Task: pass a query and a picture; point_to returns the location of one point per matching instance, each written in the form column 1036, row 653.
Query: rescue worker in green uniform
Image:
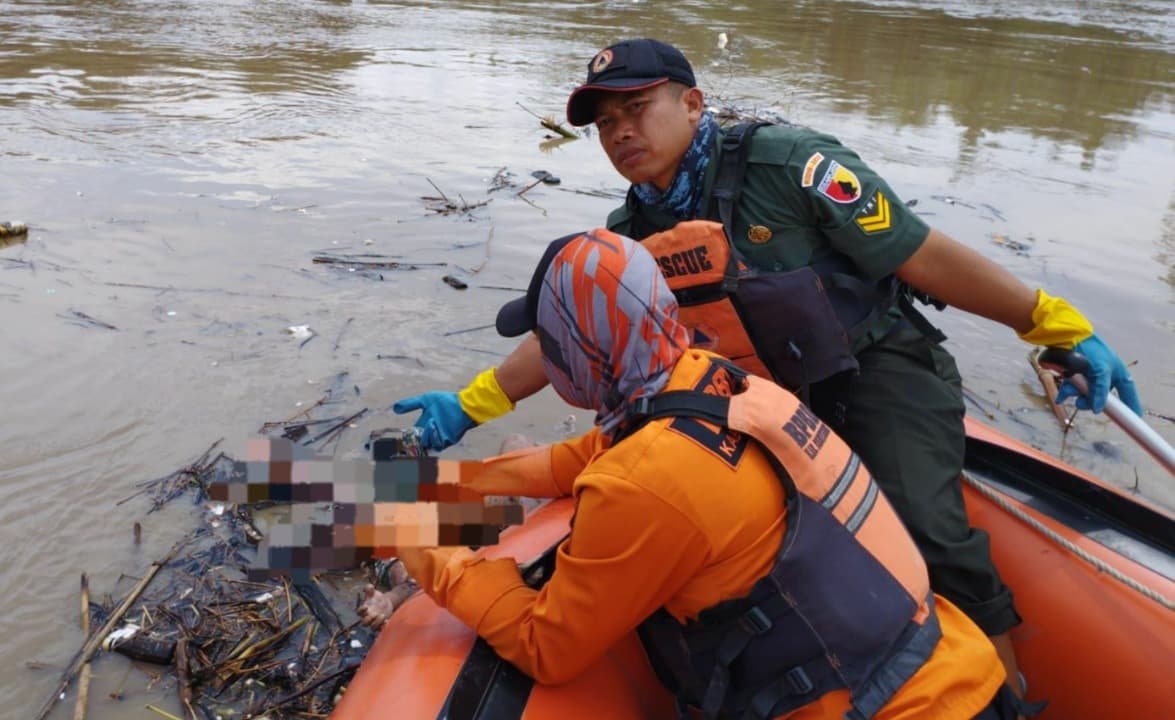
column 793, row 200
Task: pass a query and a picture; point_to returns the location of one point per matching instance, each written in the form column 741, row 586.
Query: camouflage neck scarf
column 682, row 199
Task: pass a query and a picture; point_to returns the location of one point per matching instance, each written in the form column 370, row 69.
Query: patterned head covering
column 607, row 323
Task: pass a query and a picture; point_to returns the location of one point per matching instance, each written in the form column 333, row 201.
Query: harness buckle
column 800, row 681
column 642, row 407
column 755, row 621
column 733, row 139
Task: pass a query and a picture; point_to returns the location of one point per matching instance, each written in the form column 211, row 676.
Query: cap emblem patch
column 601, row 61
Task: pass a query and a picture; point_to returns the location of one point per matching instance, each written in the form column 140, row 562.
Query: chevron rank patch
column 874, row 215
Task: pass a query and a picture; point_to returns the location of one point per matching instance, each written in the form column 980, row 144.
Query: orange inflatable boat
column 1092, row 568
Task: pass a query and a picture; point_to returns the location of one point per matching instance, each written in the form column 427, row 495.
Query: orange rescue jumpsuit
column 660, row 521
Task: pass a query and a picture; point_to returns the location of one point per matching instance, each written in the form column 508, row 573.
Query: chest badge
column 758, row 234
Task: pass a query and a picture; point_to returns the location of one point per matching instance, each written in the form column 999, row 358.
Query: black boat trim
column 487, row 687
column 1141, row 533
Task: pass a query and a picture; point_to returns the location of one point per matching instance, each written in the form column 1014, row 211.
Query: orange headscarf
column 608, row 326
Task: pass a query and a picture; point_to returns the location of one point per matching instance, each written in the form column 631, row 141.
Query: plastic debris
column 566, row 427
column 123, row 633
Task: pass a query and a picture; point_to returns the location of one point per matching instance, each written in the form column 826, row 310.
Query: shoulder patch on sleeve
column 809, row 176
column 874, row 215
column 840, row 184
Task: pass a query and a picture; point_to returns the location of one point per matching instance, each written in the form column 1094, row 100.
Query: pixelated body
column 338, row 514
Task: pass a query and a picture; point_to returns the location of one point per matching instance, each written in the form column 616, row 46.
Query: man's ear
column 695, row 103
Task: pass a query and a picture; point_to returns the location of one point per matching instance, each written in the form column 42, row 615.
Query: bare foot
column 378, row 606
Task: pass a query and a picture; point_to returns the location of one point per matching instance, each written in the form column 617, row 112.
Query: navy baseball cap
column 627, row 66
column 520, row 316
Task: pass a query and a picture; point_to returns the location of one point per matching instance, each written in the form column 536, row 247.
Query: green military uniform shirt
column 804, row 197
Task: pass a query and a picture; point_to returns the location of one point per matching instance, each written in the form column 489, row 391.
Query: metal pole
column 1135, row 427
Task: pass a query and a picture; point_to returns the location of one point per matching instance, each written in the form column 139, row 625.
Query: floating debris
column 614, row 194
column 235, row 648
column 300, row 332
column 123, row 633
column 165, row 489
column 339, row 339
column 502, row 180
column 465, row 330
column 549, row 145
column 566, row 428
column 729, row 114
column 543, row 177
column 13, row 233
column 303, row 333
column 550, row 123
column 454, row 282
column 81, row 319
column 1020, row 248
column 952, row 201
column 13, row 229
column 444, row 206
column 368, row 261
column 994, row 211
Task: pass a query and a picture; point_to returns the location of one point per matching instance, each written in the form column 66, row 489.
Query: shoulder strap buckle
column 642, row 407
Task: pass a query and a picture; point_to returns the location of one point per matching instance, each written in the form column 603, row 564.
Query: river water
column 181, row 164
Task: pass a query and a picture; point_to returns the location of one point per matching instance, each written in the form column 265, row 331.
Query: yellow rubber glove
column 447, row 415
column 1057, row 323
column 483, row 398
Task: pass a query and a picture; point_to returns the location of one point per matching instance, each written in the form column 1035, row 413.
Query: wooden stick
column 523, row 191
column 340, row 337
column 183, row 676
column 79, row 708
column 255, row 711
column 554, row 125
column 273, row 639
column 442, row 192
column 91, row 645
column 336, row 428
column 162, row 713
column 550, row 123
column 85, row 605
column 1048, row 381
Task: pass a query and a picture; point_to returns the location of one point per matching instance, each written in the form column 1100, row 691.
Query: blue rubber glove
column 1106, row 370
column 443, row 421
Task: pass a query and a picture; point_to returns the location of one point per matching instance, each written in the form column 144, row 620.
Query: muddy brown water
column 180, row 165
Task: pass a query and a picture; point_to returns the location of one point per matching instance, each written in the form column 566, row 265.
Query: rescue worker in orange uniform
column 689, row 499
